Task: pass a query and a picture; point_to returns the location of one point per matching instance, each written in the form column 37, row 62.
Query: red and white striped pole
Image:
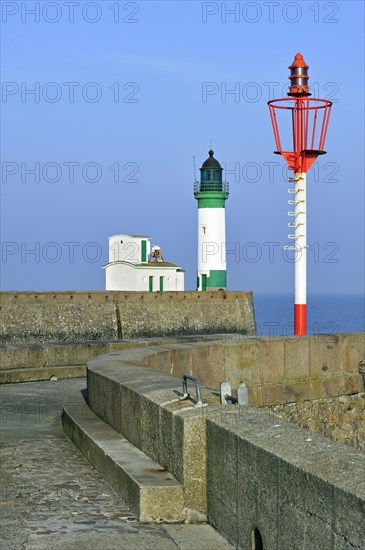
column 300, row 199
column 300, row 266
column 307, row 116
column 300, row 90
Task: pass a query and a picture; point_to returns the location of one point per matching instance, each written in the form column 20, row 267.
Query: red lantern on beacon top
column 309, row 123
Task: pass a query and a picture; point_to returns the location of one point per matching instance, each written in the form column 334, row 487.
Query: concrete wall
column 301, row 491
column 76, row 316
column 275, row 370
column 240, row 465
column 30, row 362
column 144, row 407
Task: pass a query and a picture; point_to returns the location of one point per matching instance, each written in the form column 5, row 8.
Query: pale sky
column 125, row 96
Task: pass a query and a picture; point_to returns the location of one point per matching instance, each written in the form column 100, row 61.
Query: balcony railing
column 211, row 187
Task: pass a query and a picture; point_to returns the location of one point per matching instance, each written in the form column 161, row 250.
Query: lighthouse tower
column 211, row 193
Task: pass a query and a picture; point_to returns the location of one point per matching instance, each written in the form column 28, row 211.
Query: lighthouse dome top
column 211, row 163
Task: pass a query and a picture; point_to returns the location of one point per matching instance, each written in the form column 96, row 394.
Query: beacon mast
column 309, row 121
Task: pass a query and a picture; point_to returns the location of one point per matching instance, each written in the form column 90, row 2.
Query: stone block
column 274, row 394
column 104, row 398
column 202, row 366
column 325, row 356
column 255, row 396
column 353, row 351
column 334, row 386
column 299, row 489
column 297, row 358
column 354, row 384
column 222, row 475
column 349, row 515
column 167, row 439
column 241, row 363
column 316, row 389
column 194, row 455
column 150, row 428
column 297, row 528
column 257, row 493
column 271, row 360
column 163, row 360
column 297, row 391
column 20, row 356
column 181, row 360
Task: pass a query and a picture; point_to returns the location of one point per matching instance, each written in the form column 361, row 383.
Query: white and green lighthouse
column 211, row 193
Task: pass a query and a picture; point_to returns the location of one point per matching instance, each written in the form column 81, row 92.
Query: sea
column 325, row 314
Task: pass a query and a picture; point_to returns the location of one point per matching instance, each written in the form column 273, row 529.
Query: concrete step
column 11, row 376
column 151, row 492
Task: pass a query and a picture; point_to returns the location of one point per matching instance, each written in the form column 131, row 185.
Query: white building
column 134, row 265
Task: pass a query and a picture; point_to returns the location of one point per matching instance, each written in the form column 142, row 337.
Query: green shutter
column 150, row 283
column 204, row 282
column 144, row 252
column 161, row 284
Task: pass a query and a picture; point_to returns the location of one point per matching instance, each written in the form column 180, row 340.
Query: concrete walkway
column 51, row 497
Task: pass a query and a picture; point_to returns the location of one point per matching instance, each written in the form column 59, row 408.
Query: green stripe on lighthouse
column 211, row 200
column 217, row 279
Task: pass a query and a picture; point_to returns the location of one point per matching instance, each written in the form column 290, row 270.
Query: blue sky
column 129, row 92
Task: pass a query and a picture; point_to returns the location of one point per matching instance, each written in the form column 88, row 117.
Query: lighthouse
column 211, row 192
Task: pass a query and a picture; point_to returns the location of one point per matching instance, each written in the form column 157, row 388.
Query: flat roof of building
column 146, row 264
column 132, row 236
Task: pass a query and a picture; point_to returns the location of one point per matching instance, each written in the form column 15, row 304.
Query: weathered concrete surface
column 51, row 498
column 13, row 376
column 74, row 316
column 265, row 365
column 30, row 362
column 150, row 491
column 49, row 354
column 276, row 370
column 340, row 418
column 141, row 404
column 145, row 407
column 301, row 491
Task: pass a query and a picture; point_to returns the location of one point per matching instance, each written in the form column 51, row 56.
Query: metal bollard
column 194, row 379
column 226, row 394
